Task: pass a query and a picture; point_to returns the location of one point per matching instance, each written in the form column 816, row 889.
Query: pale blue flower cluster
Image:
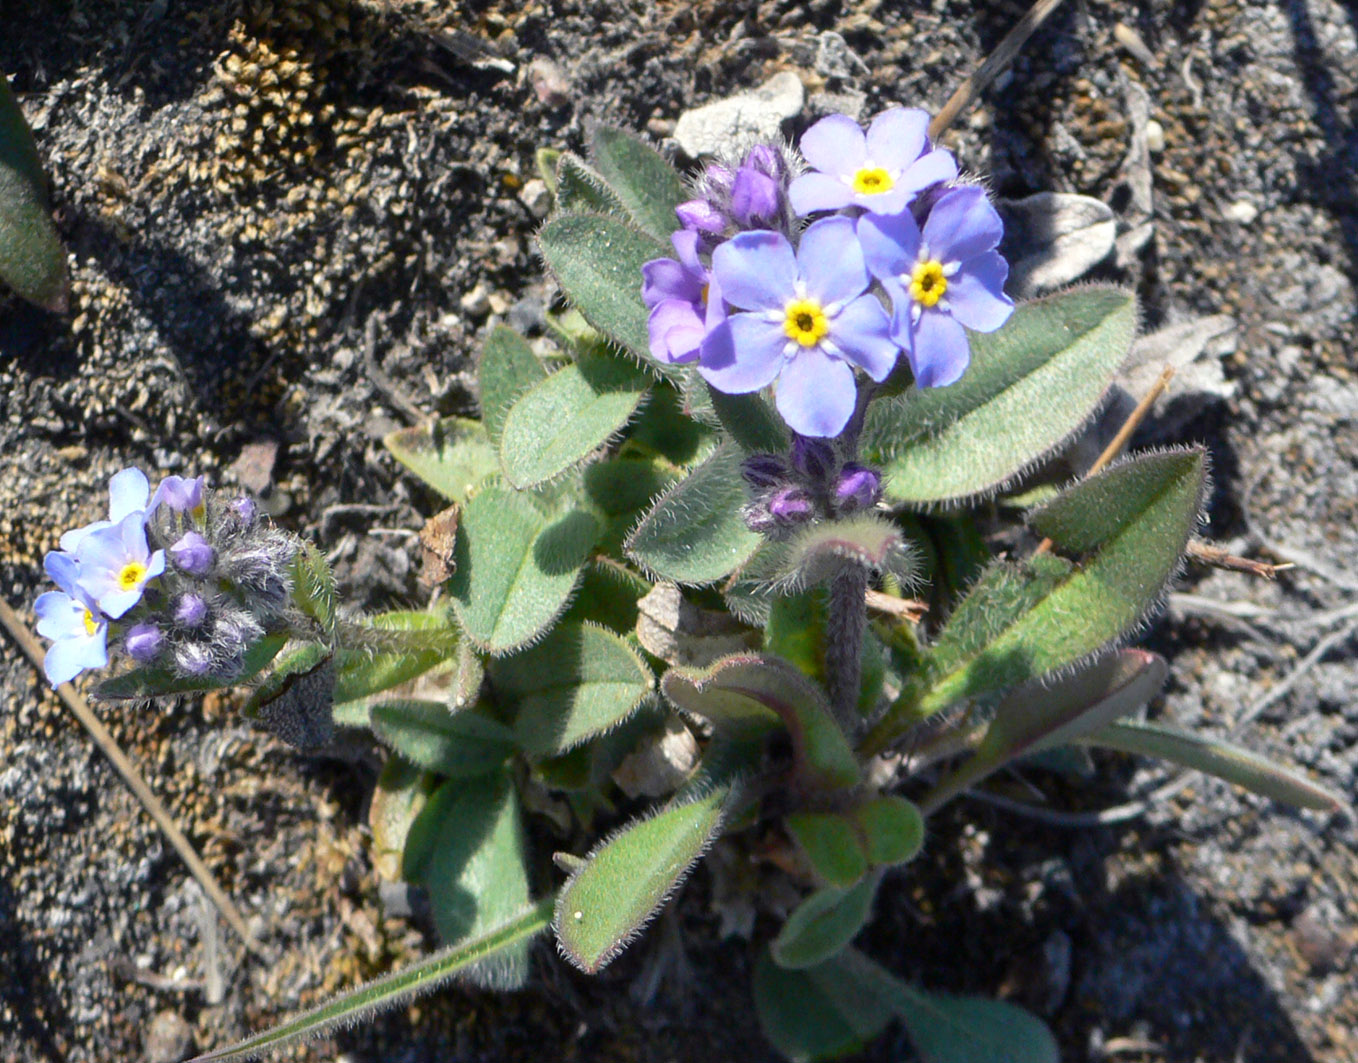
column 754, row 302
column 177, row 578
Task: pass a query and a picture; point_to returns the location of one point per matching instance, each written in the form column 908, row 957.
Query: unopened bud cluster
column 811, row 483
column 185, row 579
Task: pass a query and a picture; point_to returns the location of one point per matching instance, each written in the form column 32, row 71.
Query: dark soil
column 267, row 278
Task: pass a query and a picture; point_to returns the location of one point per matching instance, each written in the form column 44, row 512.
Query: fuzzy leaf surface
column 1022, row 622
column 507, row 369
column 1044, row 715
column 1030, row 385
column 516, row 568
column 579, row 682
column 424, row 641
column 646, row 184
column 400, row 793
column 563, row 419
column 626, row 880
column 694, row 533
column 891, row 827
column 757, row 690
column 581, row 189
column 823, row 924
column 146, row 683
column 819, row 552
column 467, row 847
column 750, row 420
column 32, row 259
column 597, row 262
column 457, row 745
column 1224, row 760
column 453, row 456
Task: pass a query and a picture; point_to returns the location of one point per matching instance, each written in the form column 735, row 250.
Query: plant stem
column 846, row 617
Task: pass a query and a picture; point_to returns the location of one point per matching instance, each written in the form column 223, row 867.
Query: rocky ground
column 288, row 223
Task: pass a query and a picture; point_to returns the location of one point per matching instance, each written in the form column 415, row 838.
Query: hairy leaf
column 641, row 178
column 401, row 791
column 516, row 568
column 824, row 923
column 694, row 533
column 457, row 745
column 507, row 369
column 821, row 1012
column 467, row 847
column 453, row 456
column 563, row 419
column 1029, row 387
column 32, row 260
column 891, row 827
column 580, row 189
column 626, row 880
column 581, row 681
column 420, row 642
column 832, row 846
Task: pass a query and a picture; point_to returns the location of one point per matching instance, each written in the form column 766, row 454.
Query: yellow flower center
column 872, row 180
column 131, row 576
column 805, row 322
column 703, row 293
column 90, row 625
column 927, row 283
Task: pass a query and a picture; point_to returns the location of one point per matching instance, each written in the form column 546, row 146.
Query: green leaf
column 621, row 489
column 313, row 588
column 597, row 262
column 580, row 682
column 891, row 828
column 467, row 848
column 832, row 846
column 694, row 533
column 546, row 159
column 823, row 924
column 146, row 683
column 421, row 642
column 563, row 419
column 507, row 369
column 400, row 987
column 515, row 568
column 1222, row 759
column 581, row 189
column 821, row 1012
column 627, row 879
column 32, row 260
column 1022, row 622
column 400, row 793
column 453, row 456
column 1044, row 715
column 297, row 662
column 819, row 552
column 1029, row 387
column 756, row 690
column 750, row 420
column 666, row 430
column 458, row 745
column 648, row 186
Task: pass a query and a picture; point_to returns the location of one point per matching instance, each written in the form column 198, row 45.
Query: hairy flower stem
column 846, row 617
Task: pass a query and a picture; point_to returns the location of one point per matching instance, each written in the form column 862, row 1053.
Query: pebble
column 1155, row 136
column 1242, row 211
column 715, row 126
column 475, row 303
column 168, row 1040
column 536, row 197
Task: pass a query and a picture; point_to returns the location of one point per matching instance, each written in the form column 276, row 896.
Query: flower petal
column 127, row 493
column 831, row 261
column 834, row 145
column 976, row 293
column 962, row 225
column 664, row 278
column 862, row 331
column 756, row 270
column 940, row 351
column 897, row 137
column 62, row 569
column 885, row 202
column 59, row 615
column 938, row 165
column 675, row 331
column 818, row 191
column 70, row 541
column 816, row 393
column 890, row 243
column 744, row 353
column 686, row 243
column 69, row 657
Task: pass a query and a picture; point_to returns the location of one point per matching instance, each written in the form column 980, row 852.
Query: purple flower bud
column 790, row 506
column 767, row 160
column 812, row 457
column 190, row 611
column 179, row 494
column 763, row 472
column 243, row 509
column 192, row 554
column 859, row 487
column 756, row 201
column 701, row 216
column 193, row 660
column 716, row 181
column 143, row 642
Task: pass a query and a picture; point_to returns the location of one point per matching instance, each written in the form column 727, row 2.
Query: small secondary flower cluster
column 182, row 579
column 811, row 483
column 753, row 302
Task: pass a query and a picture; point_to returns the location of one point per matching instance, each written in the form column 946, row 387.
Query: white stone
column 741, row 119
